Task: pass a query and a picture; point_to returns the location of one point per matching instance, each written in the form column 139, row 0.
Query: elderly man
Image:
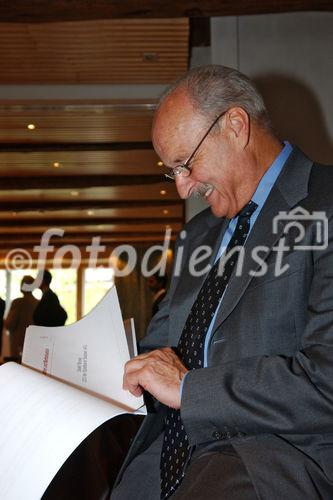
column 239, row 358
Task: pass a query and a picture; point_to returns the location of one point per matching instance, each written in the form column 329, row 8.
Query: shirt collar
column 268, row 180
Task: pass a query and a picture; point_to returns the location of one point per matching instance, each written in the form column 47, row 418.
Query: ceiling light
column 160, row 163
column 165, row 211
column 74, row 193
column 56, row 164
column 163, row 192
column 90, row 212
column 31, row 126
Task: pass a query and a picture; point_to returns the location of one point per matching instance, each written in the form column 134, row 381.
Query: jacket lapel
column 290, row 188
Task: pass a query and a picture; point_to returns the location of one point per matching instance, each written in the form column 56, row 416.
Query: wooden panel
column 69, row 163
column 103, row 51
column 92, row 229
column 79, row 204
column 9, row 240
column 74, row 122
column 60, row 10
column 168, row 212
column 124, row 193
column 79, row 163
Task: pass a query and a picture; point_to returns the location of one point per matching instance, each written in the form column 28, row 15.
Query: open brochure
column 70, row 384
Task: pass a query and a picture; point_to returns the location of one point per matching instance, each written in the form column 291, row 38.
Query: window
column 96, row 283
column 3, row 284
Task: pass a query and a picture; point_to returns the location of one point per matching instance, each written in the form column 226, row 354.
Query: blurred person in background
column 49, row 311
column 20, row 316
column 157, row 284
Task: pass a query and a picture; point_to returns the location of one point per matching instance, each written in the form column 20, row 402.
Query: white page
column 42, row 422
column 90, row 353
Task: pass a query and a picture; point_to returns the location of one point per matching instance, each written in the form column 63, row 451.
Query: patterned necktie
column 176, row 451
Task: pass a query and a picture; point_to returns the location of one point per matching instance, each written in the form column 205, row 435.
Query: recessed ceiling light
column 90, row 212
column 56, row 164
column 163, row 192
column 74, row 193
column 31, row 126
column 160, row 163
column 165, row 211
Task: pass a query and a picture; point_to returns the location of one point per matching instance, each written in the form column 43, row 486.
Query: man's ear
column 238, row 123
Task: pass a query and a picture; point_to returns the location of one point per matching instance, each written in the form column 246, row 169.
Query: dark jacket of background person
column 2, row 312
column 19, row 317
column 49, row 311
column 157, row 285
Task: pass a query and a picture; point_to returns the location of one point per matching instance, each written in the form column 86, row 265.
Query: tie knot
column 248, row 210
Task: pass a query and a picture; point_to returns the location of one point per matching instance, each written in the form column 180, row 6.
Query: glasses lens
column 184, row 170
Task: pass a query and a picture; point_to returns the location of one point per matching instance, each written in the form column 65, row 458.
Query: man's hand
column 159, row 372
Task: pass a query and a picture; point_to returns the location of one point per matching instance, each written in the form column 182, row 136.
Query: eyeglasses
column 184, row 169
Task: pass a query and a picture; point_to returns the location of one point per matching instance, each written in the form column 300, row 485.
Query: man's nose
column 183, row 185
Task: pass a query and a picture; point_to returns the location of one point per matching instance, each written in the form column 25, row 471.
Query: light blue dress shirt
column 264, row 188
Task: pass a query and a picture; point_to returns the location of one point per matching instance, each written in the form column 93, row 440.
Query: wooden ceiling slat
column 75, row 238
column 56, row 205
column 91, row 229
column 167, row 211
column 129, row 163
column 77, row 182
column 103, row 51
column 126, row 193
column 41, row 223
column 75, row 123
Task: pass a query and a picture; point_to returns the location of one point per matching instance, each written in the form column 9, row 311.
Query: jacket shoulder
column 321, row 186
column 202, row 219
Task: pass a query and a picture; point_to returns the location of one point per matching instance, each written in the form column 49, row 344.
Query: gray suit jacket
column 268, row 387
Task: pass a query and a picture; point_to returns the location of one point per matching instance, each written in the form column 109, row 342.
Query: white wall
column 290, row 57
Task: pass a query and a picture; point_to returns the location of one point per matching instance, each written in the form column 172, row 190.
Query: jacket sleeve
column 271, row 394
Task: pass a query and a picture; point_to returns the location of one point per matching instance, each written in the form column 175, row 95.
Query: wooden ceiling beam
column 76, row 181
column 36, row 147
column 88, row 221
column 37, row 11
column 9, row 240
column 62, row 205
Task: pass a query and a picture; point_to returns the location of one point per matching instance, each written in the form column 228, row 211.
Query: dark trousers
column 213, row 474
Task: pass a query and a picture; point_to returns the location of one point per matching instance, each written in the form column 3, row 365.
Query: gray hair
column 214, row 89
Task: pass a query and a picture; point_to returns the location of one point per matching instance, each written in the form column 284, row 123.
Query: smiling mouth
column 203, row 191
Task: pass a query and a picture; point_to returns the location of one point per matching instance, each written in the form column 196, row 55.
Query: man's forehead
column 176, row 122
